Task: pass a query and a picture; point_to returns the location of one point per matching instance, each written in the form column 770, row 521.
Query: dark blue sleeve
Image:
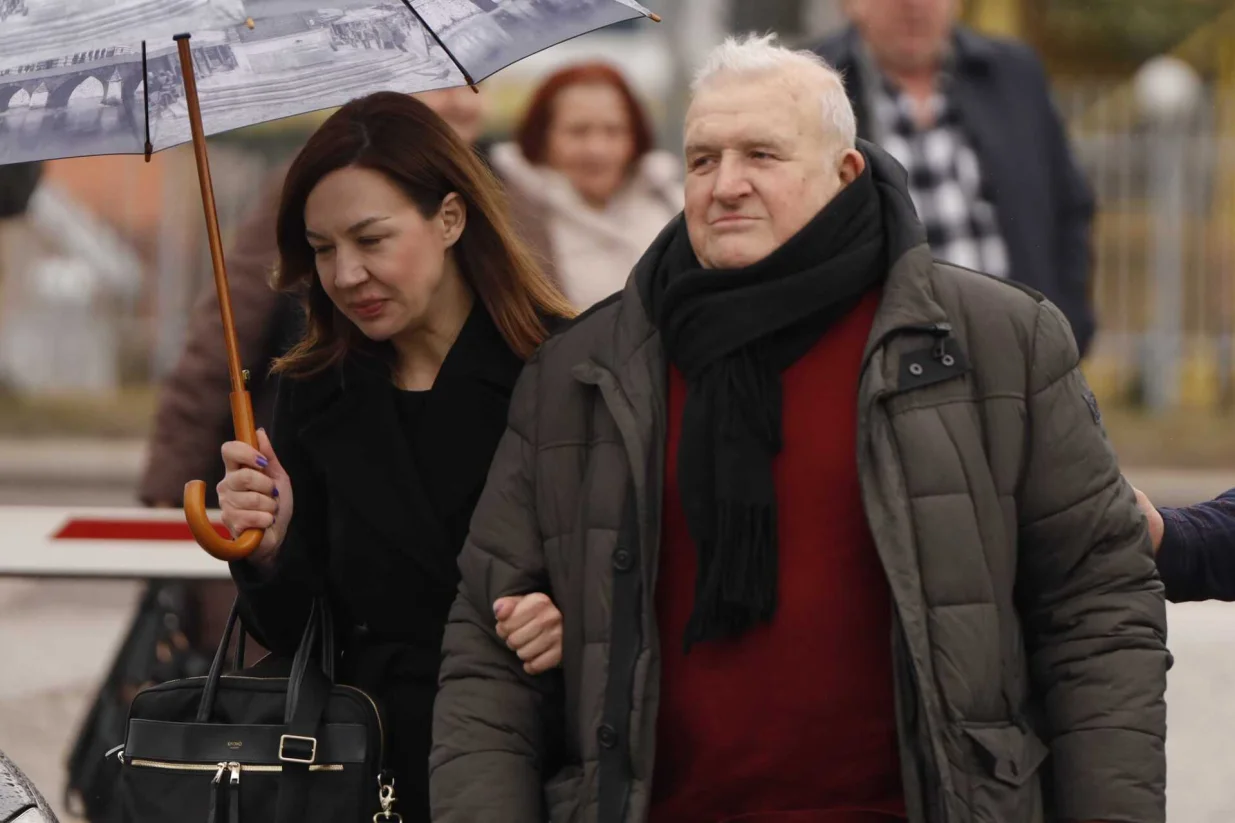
column 1197, row 557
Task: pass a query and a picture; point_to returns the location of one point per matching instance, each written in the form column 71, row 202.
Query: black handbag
column 244, row 748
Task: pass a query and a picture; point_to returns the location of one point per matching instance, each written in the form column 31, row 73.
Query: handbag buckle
column 286, row 758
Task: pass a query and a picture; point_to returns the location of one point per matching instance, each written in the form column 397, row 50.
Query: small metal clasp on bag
column 386, row 796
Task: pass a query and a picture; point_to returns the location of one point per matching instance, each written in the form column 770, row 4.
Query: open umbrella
column 84, row 77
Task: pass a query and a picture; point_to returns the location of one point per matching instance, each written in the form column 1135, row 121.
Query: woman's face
column 590, row 140
column 381, row 261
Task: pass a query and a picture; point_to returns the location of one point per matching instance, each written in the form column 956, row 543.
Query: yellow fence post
column 1223, row 215
column 1001, row 18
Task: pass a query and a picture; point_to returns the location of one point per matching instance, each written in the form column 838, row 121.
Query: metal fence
column 1163, row 243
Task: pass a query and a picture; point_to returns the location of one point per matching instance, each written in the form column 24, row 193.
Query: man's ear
column 852, row 164
column 453, row 214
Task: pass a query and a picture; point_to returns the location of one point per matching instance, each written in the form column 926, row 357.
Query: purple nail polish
column 262, row 462
column 276, row 493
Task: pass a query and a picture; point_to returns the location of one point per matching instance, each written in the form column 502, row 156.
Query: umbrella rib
column 146, row 101
column 438, row 40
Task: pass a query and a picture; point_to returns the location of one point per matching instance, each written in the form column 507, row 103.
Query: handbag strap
column 238, row 660
column 206, row 706
column 308, row 692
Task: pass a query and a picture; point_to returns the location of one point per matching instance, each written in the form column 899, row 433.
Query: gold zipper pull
column 219, row 774
column 235, row 769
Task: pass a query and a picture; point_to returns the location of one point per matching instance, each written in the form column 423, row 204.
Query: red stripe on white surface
column 110, row 529
column 130, row 542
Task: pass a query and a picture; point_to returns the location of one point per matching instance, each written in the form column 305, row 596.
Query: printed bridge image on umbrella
column 292, row 57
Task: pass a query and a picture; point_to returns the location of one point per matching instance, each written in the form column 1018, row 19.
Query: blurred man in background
column 991, row 173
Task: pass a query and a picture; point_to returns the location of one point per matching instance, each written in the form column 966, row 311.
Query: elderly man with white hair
column 834, row 528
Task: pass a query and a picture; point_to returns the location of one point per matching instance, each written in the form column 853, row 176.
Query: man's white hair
column 756, row 54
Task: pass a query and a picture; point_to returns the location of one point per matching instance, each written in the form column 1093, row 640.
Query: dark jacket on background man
column 1044, row 205
column 1197, row 556
column 381, row 510
column 1029, row 626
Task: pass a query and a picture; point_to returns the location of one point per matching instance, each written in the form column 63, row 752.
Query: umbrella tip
column 249, row 22
column 149, row 151
column 655, row 18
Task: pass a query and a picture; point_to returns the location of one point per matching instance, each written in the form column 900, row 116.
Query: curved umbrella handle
column 215, row 544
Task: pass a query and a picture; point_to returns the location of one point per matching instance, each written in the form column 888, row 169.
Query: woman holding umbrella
column 421, row 307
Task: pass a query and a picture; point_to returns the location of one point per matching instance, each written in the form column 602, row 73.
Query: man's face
column 905, row 35
column 760, row 165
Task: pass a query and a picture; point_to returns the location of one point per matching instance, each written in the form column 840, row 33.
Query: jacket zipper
column 932, row 801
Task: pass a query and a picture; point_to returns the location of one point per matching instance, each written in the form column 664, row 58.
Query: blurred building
column 67, row 280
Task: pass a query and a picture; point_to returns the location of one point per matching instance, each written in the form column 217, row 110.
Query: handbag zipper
column 381, row 731
column 220, row 768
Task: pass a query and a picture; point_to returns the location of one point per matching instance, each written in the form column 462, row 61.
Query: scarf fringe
column 737, row 580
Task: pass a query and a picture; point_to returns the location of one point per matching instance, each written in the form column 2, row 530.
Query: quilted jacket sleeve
column 1091, row 601
column 492, row 721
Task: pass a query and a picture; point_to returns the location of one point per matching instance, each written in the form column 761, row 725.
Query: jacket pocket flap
column 1013, row 754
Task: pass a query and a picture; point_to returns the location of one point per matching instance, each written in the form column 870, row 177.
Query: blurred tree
column 1114, row 35
column 785, row 17
column 1003, row 18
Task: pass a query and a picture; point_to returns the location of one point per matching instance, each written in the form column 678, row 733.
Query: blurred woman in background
column 583, row 175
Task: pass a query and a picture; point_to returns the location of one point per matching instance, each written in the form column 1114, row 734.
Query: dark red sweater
column 793, row 722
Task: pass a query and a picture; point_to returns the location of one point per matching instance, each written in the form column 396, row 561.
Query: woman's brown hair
column 532, row 134
column 413, row 147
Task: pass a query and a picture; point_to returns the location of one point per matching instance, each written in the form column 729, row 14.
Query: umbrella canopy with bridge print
column 88, row 77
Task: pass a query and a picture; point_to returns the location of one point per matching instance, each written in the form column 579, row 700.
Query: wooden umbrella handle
column 242, row 406
column 215, row 544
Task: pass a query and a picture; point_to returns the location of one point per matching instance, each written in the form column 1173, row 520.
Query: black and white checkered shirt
column 945, row 180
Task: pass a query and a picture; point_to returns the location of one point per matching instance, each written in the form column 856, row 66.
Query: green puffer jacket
column 1029, row 647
